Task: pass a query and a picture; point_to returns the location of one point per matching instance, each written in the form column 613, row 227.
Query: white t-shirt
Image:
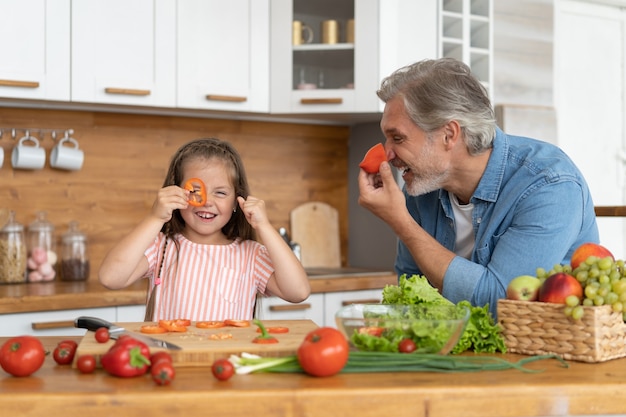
column 464, row 229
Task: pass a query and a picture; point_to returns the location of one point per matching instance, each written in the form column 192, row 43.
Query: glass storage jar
column 42, row 255
column 12, row 252
column 74, row 255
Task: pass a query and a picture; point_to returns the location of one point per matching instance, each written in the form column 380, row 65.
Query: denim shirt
column 532, row 208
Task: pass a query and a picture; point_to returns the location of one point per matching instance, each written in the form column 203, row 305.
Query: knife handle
column 91, row 323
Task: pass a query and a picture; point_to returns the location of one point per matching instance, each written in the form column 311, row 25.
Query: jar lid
column 73, row 234
column 12, row 225
column 41, row 223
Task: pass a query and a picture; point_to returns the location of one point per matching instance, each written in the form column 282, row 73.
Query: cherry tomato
column 275, row 329
column 163, row 373
column 210, row 324
column 372, row 330
column 323, row 352
column 63, row 354
column 22, row 355
column 222, row 369
column 102, row 335
column 86, row 364
column 237, row 323
column 152, row 328
column 406, row 346
column 69, row 342
column 159, row 356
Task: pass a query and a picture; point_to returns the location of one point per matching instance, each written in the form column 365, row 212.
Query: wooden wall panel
column 127, row 156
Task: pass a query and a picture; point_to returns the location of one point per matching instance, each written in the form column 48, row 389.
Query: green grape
column 591, row 260
column 603, row 291
column 541, row 273
column 622, row 297
column 578, row 312
column 611, row 298
column 582, row 276
column 567, row 269
column 568, row 311
column 603, row 278
column 598, row 300
column 594, row 272
column 617, row 306
column 615, row 275
column 572, row 301
column 591, row 291
column 605, row 264
column 588, row 302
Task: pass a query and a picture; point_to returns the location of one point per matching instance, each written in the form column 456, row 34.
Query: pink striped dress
column 209, row 282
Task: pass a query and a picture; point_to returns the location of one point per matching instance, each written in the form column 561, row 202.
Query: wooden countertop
column 582, row 389
column 31, row 297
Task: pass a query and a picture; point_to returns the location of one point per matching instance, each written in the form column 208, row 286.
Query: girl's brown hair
column 210, row 149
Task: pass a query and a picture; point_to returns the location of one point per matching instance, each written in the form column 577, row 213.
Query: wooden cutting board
column 198, row 349
column 315, row 227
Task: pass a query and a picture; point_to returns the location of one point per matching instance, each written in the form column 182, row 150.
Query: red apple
column 586, row 250
column 557, row 287
column 524, row 287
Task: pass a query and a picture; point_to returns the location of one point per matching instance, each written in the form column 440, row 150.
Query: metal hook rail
column 40, row 133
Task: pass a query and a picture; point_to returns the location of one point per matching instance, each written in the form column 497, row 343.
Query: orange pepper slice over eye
column 197, row 192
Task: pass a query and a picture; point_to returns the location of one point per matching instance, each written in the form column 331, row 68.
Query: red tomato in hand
column 324, row 352
column 373, row 158
column 102, row 335
column 222, row 369
column 86, row 363
column 163, row 372
column 22, row 355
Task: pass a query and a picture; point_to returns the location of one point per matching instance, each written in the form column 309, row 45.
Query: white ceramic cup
column 28, row 156
column 67, row 157
column 1, row 156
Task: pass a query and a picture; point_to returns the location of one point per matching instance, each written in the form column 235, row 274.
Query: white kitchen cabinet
column 124, row 52
column 51, row 323
column 223, row 55
column 275, row 308
column 343, row 77
column 35, row 49
column 129, row 314
column 466, row 34
column 320, row 307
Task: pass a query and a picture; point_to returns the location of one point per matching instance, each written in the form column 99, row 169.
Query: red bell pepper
column 197, row 192
column 128, row 357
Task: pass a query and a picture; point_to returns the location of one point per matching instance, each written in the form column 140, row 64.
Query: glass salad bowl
column 382, row 327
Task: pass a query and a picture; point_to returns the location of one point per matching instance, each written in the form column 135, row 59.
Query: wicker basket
column 535, row 328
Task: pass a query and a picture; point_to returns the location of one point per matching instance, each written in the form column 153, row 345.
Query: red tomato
column 63, row 354
column 71, row 343
column 86, row 364
column 22, row 355
column 372, row 330
column 210, row 324
column 222, row 369
column 323, row 352
column 159, row 356
column 375, row 156
column 406, row 346
column 102, row 335
column 163, row 373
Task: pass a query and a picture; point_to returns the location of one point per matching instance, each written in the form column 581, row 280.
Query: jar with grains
column 74, row 255
column 41, row 244
column 12, row 252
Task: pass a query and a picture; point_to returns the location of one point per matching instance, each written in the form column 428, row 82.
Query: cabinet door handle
column 331, row 100
column 234, row 99
column 15, row 83
column 127, row 91
column 52, row 324
column 366, row 301
column 291, row 307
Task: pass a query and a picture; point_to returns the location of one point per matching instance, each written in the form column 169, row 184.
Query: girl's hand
column 168, row 199
column 254, row 210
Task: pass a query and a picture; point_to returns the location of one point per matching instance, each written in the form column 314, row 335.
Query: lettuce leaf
column 481, row 335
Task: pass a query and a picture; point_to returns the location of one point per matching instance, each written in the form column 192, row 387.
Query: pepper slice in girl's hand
column 197, row 192
column 373, row 158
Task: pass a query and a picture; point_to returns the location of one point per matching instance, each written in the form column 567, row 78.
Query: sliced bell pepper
column 264, row 337
column 197, row 192
column 173, row 325
column 210, row 324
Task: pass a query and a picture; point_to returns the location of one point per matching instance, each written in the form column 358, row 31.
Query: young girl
column 203, row 261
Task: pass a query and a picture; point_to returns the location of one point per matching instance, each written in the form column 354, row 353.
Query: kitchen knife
column 94, row 323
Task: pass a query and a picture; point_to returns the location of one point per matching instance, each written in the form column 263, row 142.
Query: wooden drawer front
column 51, row 323
column 274, row 308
